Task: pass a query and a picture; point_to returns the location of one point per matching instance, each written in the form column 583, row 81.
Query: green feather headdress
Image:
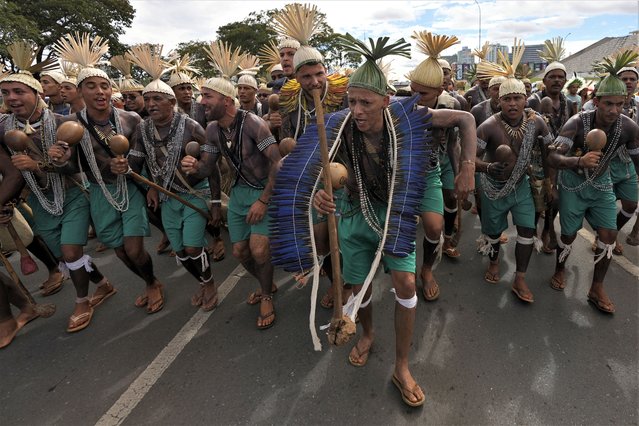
column 369, row 75
column 611, row 85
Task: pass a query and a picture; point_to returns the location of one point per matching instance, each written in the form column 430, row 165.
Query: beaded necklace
column 173, row 142
column 53, row 179
column 609, row 152
column 120, row 199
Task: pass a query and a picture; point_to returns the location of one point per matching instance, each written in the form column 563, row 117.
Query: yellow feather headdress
column 507, row 69
column 79, row 49
column 150, row 60
column 127, row 83
column 23, row 54
column 300, row 22
column 182, row 71
column 227, row 61
column 429, row 72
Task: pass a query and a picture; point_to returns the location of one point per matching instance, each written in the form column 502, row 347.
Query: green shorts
column 447, row 175
column 358, row 243
column 111, row 226
column 624, row 180
column 183, row 225
column 598, row 207
column 241, row 199
column 70, row 228
column 433, row 199
column 494, row 213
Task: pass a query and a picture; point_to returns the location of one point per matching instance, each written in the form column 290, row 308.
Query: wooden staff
column 119, row 144
column 336, row 331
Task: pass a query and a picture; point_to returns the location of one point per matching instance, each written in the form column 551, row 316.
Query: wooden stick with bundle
column 342, row 328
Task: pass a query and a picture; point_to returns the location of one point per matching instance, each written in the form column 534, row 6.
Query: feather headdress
column 182, row 71
column 226, row 60
column 23, row 53
column 70, row 71
column 575, row 79
column 482, row 52
column 300, row 22
column 369, row 75
column 79, row 49
column 611, row 85
column 506, row 70
column 429, row 72
column 249, row 67
column 150, row 60
column 552, row 53
column 523, row 73
column 270, row 54
column 127, row 83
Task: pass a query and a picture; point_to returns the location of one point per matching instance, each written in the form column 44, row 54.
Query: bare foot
column 209, row 296
column 27, row 315
column 8, row 330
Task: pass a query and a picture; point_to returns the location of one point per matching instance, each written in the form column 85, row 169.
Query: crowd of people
column 83, row 153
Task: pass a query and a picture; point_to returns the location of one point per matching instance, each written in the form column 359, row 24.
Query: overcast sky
column 582, row 21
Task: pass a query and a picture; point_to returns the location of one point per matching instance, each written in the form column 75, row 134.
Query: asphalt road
column 481, row 356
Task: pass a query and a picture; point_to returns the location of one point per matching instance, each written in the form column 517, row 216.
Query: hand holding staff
column 342, row 328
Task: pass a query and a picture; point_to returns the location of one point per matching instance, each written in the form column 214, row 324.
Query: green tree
column 195, row 49
column 45, row 21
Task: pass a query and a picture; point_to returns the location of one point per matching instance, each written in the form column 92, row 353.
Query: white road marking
column 127, row 402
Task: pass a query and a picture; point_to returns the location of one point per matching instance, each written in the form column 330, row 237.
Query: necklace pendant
column 229, row 143
column 28, row 129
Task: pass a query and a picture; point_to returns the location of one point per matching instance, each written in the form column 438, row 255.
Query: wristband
column 488, row 168
column 261, row 201
column 578, row 160
column 471, row 162
column 216, row 201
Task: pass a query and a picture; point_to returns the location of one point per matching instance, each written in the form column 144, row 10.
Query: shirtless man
column 585, row 185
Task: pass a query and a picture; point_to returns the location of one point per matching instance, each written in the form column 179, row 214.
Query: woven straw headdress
column 300, row 22
column 429, row 72
column 79, row 49
column 507, row 69
column 152, row 63
column 227, row 62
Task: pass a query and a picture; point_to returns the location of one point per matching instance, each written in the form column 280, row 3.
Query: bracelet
column 578, row 160
column 471, row 162
column 261, row 201
column 216, row 201
column 488, row 168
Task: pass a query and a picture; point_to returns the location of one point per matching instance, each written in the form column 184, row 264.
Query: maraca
column 339, row 175
column 286, row 146
column 193, row 149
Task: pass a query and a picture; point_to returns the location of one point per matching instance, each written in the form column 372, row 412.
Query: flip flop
column 601, row 305
column 52, row 288
column 618, row 250
column 270, row 314
column 491, row 278
column 156, row 306
column 141, row 301
column 255, row 297
column 557, row 284
column 362, row 356
column 97, row 300
column 435, row 295
column 452, row 252
column 522, row 297
column 407, row 401
column 80, row 322
column 210, row 303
